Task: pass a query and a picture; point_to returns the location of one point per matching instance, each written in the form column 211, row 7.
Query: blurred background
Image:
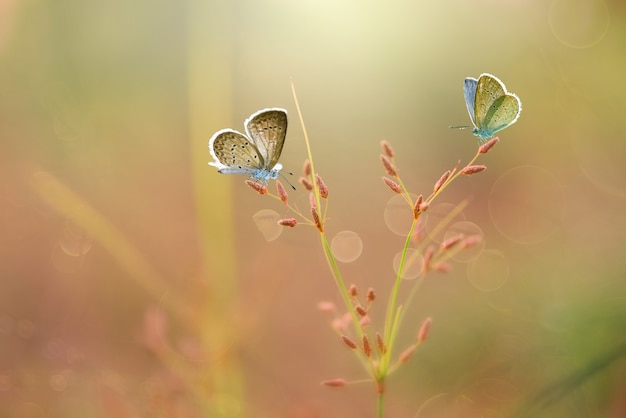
column 136, row 282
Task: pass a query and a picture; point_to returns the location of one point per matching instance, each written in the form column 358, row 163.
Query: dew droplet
column 65, row 262
column 58, row 382
column 398, row 214
column 579, row 23
column 412, row 264
column 74, row 240
column 266, row 220
column 346, row 246
column 467, row 229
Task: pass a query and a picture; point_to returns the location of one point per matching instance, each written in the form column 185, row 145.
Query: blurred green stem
column 209, row 92
column 393, row 313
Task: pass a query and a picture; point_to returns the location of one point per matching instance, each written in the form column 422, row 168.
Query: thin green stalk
column 336, row 273
column 380, row 405
column 316, row 191
column 393, row 322
column 451, row 179
column 395, row 326
column 330, row 259
column 444, row 222
column 390, row 317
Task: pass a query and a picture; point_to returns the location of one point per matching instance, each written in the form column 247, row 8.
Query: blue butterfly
column 490, row 106
column 255, row 154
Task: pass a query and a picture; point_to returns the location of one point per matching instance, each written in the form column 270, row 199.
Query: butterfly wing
column 504, row 112
column 494, row 108
column 469, row 91
column 234, row 153
column 268, row 128
column 488, row 89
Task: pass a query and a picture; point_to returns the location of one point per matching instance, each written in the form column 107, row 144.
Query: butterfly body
column 256, row 153
column 490, row 106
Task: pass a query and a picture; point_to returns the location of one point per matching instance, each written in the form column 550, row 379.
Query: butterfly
column 257, row 152
column 490, row 106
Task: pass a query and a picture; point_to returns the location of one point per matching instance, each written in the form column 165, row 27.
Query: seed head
column 360, row 310
column 259, row 188
column 289, row 222
column 417, row 207
column 428, row 256
column 353, row 290
column 387, row 150
column 329, row 307
column 305, row 183
column 334, row 383
column 471, row 240
column 322, row 187
column 341, row 324
column 484, row 148
column 367, row 347
column 392, row 185
column 389, row 168
column 380, row 343
column 473, row 169
column 316, row 219
column 306, row 168
column 443, row 267
column 406, row 354
column 349, row 342
column 451, row 242
column 282, row 193
column 338, row 325
column 442, row 180
column 370, row 295
column 423, row 332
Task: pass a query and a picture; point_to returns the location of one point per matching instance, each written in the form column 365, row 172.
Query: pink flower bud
column 259, row 188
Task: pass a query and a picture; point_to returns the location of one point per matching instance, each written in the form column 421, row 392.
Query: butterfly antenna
column 459, row 127
column 287, row 180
